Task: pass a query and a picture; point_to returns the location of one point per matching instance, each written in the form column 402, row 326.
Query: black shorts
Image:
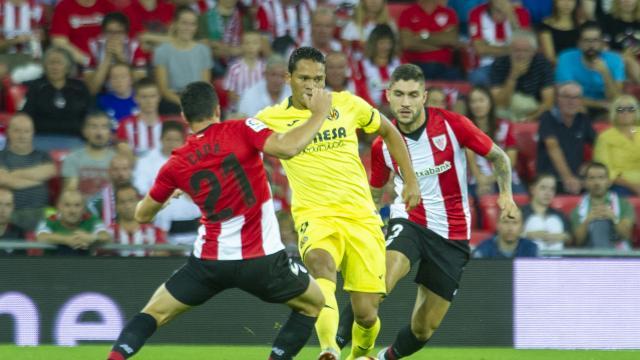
column 273, row 278
column 442, row 261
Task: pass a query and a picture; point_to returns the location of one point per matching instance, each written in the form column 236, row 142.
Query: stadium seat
column 565, row 203
column 477, row 236
column 489, row 210
column 526, row 136
column 13, row 95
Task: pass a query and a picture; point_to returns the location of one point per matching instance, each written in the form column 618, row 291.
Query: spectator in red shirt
column 75, row 22
column 150, row 20
column 428, row 35
column 367, row 15
column 490, row 28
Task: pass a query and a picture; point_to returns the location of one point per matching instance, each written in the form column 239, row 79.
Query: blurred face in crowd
column 406, row 101
column 171, row 140
column 499, row 9
column 322, row 26
column 565, row 7
column 115, row 31
column 569, row 100
column 543, row 191
column 6, row 206
column 56, row 66
column 625, row 112
column 522, row 49
column 597, row 182
column 275, row 76
column 227, row 4
column 148, row 99
column 97, row 131
column 509, row 229
column 251, row 43
column 479, row 104
column 186, row 26
column 126, row 201
column 336, row 70
column 306, row 76
column 71, row 207
column 20, row 133
column 384, row 46
column 591, row 43
column 120, row 80
column 373, row 6
column 436, row 98
column 120, row 170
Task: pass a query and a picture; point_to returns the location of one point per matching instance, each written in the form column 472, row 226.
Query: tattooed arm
column 502, row 171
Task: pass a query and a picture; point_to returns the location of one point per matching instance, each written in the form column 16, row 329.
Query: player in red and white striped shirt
column 220, row 167
column 435, row 233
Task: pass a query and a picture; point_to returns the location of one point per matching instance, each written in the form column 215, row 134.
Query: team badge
column 334, row 114
column 440, row 142
column 442, row 19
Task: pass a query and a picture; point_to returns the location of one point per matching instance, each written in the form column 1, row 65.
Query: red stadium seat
column 526, row 135
column 489, row 210
column 395, row 9
column 477, row 236
column 565, row 203
column 13, row 95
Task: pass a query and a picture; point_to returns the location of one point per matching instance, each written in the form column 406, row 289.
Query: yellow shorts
column 358, row 249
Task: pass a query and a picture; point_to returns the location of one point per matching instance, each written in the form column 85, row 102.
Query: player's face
column 97, row 131
column 307, row 75
column 71, row 207
column 126, row 202
column 509, row 229
column 544, row 191
column 6, row 206
column 148, row 99
column 406, row 100
column 597, row 182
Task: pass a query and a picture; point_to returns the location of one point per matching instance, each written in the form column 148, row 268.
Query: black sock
column 292, row 337
column 343, row 337
column 405, row 344
column 134, row 335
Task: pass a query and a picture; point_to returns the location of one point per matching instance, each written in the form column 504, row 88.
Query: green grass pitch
column 172, row 352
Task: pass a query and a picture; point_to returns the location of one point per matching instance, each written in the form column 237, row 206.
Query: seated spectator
column 338, row 73
column 481, row 109
column 150, row 21
column 20, row 41
column 247, row 70
column 102, row 204
column 271, row 90
column 547, row 227
column 8, row 230
column 222, row 27
column 522, row 82
column 182, row 60
column 26, row 172
column 602, row 219
column 180, row 219
column 118, row 100
column 86, row 169
column 140, row 133
column 618, row 147
column 57, row 103
column 560, row 31
column 323, row 26
column 71, row 228
column 562, row 136
column 428, row 36
column 490, row 28
column 127, row 231
column 113, row 46
column 621, row 31
column 436, row 97
column 75, row 22
column 367, row 15
column 599, row 72
column 295, row 25
column 507, row 243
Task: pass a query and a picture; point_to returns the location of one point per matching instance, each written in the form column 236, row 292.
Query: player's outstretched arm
column 147, row 209
column 398, row 149
column 502, row 171
column 289, row 144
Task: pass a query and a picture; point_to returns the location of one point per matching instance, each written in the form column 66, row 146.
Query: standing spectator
column 103, row 204
column 323, row 26
column 150, row 21
column 522, row 82
column 86, row 169
column 618, row 147
column 75, row 22
column 57, row 103
column 182, row 60
column 428, row 35
column 463, row 10
column 547, row 227
column 560, row 31
column 127, row 231
column 481, row 109
column 180, row 219
column 26, row 172
column 271, row 90
column 9, row 230
column 599, row 72
column 118, row 100
column 621, row 30
column 71, row 228
column 246, row 71
column 368, row 15
column 490, row 28
column 507, row 243
column 140, row 132
column 21, row 33
column 602, row 219
column 222, row 27
column 562, row 136
column 286, row 19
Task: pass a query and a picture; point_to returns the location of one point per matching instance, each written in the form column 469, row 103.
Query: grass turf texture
column 172, row 352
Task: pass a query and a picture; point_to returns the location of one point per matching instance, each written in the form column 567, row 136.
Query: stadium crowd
column 90, row 106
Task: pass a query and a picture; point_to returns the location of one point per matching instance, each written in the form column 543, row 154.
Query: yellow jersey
column 327, row 177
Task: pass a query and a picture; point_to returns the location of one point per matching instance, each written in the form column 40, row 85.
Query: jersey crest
column 440, row 142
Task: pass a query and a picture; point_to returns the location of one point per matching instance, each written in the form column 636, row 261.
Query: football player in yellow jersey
column 337, row 222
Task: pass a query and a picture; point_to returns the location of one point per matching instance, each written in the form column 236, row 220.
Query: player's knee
column 424, row 331
column 366, row 316
column 320, row 265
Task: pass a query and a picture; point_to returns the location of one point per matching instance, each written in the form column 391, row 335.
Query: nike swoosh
column 363, row 348
column 292, row 123
column 327, row 306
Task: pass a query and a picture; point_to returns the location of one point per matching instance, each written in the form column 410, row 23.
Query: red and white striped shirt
column 439, row 160
column 221, row 169
column 20, row 19
column 146, row 234
column 293, row 20
column 377, row 78
column 140, row 136
column 134, row 54
column 240, row 76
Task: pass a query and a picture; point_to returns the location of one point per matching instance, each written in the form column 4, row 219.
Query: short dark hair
column 145, row 82
column 183, row 9
column 95, row 114
column 116, row 17
column 541, row 176
column 304, row 53
column 171, row 125
column 595, row 165
column 589, row 25
column 198, row 101
column 407, row 72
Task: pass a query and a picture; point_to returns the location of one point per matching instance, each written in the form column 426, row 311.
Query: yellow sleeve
column 602, row 154
column 367, row 117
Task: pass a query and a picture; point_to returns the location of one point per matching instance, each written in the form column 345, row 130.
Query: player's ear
column 288, row 78
column 387, row 94
column 216, row 112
